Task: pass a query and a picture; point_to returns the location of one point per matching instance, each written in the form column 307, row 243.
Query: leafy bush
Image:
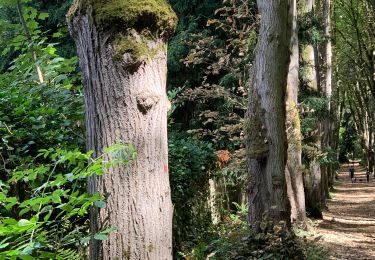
column 50, row 219
column 190, row 164
column 235, row 239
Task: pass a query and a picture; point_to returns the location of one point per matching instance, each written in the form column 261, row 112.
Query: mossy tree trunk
column 313, row 178
column 122, row 49
column 326, row 88
column 265, row 125
column 293, row 170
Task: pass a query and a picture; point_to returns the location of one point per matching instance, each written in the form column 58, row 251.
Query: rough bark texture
column 265, row 126
column 293, row 171
column 126, row 102
column 313, row 179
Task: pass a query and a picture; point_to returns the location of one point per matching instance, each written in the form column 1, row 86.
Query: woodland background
column 44, row 164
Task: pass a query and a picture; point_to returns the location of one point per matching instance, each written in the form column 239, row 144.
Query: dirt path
column 348, row 227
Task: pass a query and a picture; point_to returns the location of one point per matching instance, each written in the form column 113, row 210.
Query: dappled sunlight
column 348, row 225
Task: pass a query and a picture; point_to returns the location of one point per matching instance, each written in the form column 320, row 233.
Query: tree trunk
column 124, row 74
column 213, row 201
column 265, row 127
column 327, row 91
column 313, row 179
column 293, row 170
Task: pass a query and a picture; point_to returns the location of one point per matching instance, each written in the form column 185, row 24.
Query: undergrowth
column 235, row 239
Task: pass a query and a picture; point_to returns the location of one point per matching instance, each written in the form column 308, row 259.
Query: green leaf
column 24, row 223
column 24, row 211
column 100, row 236
column 56, row 196
column 47, row 255
column 85, row 240
column 108, row 230
column 43, row 16
column 100, row 204
column 46, row 217
column 4, row 245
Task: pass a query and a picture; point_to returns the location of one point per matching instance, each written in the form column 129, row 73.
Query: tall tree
column 325, row 73
column 293, row 170
column 122, row 49
column 313, row 179
column 265, row 127
column 355, row 63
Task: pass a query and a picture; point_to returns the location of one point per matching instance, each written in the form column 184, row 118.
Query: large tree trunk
column 125, row 98
column 265, row 126
column 313, row 179
column 293, row 171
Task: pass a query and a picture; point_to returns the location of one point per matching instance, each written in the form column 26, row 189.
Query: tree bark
column 293, row 170
column 126, row 102
column 265, row 126
column 326, row 84
column 313, row 179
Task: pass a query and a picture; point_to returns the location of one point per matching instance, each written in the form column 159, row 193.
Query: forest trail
column 348, row 225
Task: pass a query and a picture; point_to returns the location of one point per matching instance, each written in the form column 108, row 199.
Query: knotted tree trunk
column 265, row 127
column 122, row 49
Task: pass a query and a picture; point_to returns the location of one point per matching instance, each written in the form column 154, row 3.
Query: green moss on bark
column 136, row 25
column 257, row 143
column 154, row 15
column 137, row 45
column 293, row 126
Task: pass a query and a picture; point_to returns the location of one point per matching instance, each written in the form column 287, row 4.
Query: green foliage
column 313, row 111
column 311, row 29
column 223, row 55
column 350, row 142
column 34, row 116
column 193, row 17
column 190, row 164
column 43, row 201
column 50, row 220
column 234, row 239
column 217, row 50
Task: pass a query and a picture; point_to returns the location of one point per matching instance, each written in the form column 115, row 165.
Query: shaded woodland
column 202, row 129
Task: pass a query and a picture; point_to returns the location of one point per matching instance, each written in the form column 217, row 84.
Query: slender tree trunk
column 266, row 119
column 213, row 201
column 293, row 170
column 31, row 44
column 326, row 83
column 336, row 111
column 126, row 102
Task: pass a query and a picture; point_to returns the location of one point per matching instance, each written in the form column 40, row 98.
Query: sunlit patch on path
column 348, row 227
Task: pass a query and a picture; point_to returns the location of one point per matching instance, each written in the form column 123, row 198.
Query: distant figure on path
column 368, row 173
column 351, row 171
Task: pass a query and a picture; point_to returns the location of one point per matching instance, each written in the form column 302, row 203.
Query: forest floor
column 348, row 225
